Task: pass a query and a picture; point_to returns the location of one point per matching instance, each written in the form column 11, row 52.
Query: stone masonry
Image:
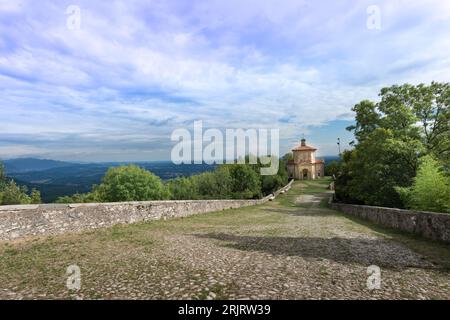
column 431, row 225
column 48, row 219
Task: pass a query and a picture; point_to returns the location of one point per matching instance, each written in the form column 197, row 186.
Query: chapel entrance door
column 305, row 174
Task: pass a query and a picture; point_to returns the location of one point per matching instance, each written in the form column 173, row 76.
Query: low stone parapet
column 21, row 221
column 431, row 225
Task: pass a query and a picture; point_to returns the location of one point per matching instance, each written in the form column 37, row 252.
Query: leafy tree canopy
column 408, row 123
column 130, row 183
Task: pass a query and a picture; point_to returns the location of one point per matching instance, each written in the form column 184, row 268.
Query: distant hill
column 32, row 164
column 328, row 159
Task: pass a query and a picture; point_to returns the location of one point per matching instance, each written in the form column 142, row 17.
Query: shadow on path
column 383, row 253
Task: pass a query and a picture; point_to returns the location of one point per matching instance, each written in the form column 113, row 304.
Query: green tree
column 79, row 198
column 367, row 119
column 35, row 196
column 130, row 183
column 431, row 188
column 246, row 183
column 213, row 185
column 431, row 106
column 287, row 157
column 332, row 168
column 389, row 142
column 2, row 176
column 2, row 181
column 181, row 189
column 13, row 194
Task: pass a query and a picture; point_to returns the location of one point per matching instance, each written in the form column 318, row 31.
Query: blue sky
column 134, row 71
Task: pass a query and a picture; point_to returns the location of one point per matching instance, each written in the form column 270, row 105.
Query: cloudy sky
column 117, row 86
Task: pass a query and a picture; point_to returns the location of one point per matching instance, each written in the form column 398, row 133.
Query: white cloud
column 139, row 69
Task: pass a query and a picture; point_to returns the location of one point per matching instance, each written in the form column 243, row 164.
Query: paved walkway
column 292, row 248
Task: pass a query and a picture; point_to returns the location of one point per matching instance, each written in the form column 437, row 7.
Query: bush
column 430, row 190
column 78, row 198
column 13, row 194
column 245, row 182
column 181, row 188
column 332, row 169
column 35, row 196
column 130, row 183
column 229, row 181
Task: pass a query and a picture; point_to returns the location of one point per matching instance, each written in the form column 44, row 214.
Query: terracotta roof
column 304, row 148
column 320, row 161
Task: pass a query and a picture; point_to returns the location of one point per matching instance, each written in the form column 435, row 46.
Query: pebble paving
column 291, row 248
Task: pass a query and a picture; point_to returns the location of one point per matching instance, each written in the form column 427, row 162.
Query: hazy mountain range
column 58, row 178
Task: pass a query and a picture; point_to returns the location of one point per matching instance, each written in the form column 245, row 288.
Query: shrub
column 430, row 190
column 130, row 183
column 13, row 194
column 245, row 182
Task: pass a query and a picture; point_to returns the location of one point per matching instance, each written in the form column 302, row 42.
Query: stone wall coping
column 95, row 204
column 403, row 211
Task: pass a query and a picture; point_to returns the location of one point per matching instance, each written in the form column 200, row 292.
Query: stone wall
column 435, row 226
column 48, row 219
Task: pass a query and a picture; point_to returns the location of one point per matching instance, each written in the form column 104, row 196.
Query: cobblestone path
column 291, row 248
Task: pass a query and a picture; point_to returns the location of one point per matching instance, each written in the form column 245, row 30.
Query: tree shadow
column 365, row 252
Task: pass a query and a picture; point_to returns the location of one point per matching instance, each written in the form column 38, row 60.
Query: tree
column 181, row 189
column 389, row 142
column 332, row 168
column 35, row 196
column 213, row 185
column 2, row 176
column 79, row 198
column 2, row 181
column 130, row 183
column 376, row 166
column 431, row 105
column 367, row 119
column 287, row 157
column 13, row 194
column 245, row 182
column 430, row 190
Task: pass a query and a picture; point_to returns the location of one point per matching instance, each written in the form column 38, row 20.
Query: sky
column 111, row 80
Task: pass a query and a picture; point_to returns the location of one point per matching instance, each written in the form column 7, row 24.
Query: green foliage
column 332, row 168
column 288, row 156
column 130, row 183
column 430, row 190
column 367, row 119
column 214, row 185
column 379, row 164
column 408, row 122
column 181, row 188
column 245, row 182
column 2, row 177
column 79, row 198
column 228, row 181
column 35, row 196
column 11, row 193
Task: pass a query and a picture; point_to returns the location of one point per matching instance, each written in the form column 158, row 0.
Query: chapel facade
column 304, row 165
